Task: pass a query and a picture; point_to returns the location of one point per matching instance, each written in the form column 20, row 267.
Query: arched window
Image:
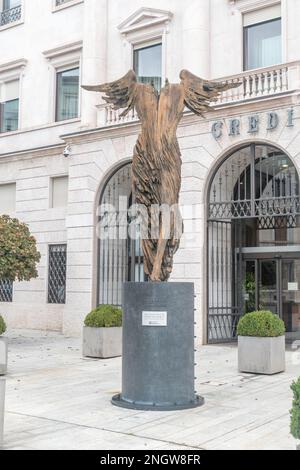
column 253, row 236
column 120, row 257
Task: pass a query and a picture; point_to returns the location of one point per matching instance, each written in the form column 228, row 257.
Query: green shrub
column 18, row 252
column 295, row 411
column 104, row 316
column 2, row 326
column 262, row 324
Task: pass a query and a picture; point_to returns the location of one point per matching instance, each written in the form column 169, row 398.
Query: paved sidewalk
column 58, row 400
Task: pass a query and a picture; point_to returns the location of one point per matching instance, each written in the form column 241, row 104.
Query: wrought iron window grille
column 57, row 274
column 6, row 291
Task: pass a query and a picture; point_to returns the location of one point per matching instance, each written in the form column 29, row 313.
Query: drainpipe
column 94, row 57
column 196, row 37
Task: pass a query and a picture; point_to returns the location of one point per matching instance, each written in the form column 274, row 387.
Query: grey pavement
column 56, row 399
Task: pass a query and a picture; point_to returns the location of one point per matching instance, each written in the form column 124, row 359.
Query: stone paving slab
column 58, row 400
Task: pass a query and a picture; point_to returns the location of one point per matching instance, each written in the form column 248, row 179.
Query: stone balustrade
column 255, row 85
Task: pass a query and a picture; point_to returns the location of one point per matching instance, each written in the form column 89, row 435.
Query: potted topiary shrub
column 295, row 411
column 261, row 343
column 102, row 333
column 3, row 348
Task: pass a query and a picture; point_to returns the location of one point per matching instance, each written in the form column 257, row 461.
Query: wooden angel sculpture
column 156, row 166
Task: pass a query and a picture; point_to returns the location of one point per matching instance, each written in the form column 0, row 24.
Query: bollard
column 2, row 401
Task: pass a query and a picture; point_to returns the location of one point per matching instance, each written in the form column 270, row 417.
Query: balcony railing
column 270, row 82
column 262, row 83
column 10, row 16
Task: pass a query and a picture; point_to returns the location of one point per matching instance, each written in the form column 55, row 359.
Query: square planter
column 3, row 355
column 261, row 355
column 2, row 398
column 102, row 343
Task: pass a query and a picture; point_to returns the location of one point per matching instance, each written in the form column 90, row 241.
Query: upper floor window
column 67, row 94
column 9, row 106
column 11, row 11
column 262, row 38
column 61, row 2
column 147, row 63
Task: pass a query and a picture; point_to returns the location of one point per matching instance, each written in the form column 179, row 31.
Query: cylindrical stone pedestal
column 158, row 347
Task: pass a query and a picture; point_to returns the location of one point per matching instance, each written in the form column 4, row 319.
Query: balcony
column 260, row 84
column 10, row 16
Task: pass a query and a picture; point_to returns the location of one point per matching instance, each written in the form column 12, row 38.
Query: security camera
column 67, row 151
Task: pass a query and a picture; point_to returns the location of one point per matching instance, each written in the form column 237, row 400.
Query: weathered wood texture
column 156, row 167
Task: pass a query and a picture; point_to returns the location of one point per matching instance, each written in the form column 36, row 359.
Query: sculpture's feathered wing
column 199, row 93
column 121, row 93
column 156, row 167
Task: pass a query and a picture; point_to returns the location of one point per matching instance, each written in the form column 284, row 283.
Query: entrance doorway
column 119, row 257
column 253, row 237
column 273, row 284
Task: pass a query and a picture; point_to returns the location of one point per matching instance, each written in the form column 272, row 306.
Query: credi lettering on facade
column 234, row 127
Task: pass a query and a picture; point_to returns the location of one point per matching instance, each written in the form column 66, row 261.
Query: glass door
column 272, row 284
column 268, row 286
column 260, row 287
column 290, row 297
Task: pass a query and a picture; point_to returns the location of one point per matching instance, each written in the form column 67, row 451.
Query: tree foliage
column 18, row 252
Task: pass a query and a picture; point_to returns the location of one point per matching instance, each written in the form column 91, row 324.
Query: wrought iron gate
column 254, row 199
column 120, row 257
column 223, row 314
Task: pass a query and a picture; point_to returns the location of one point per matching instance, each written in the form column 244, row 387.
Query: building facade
column 64, row 152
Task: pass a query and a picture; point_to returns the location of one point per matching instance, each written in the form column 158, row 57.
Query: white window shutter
column 10, row 91
column 60, row 191
column 7, row 198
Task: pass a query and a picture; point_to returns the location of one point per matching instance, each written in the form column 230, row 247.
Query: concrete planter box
column 102, row 343
column 2, row 397
column 261, row 355
column 3, row 355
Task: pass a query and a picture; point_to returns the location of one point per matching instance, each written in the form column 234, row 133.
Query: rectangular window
column 6, row 291
column 147, row 62
column 7, row 198
column 67, row 94
column 262, row 38
column 59, row 191
column 9, row 4
column 57, row 269
column 58, row 3
column 9, row 116
column 10, row 11
column 9, row 106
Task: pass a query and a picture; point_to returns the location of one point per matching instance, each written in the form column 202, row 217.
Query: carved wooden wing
column 199, row 93
column 120, row 93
